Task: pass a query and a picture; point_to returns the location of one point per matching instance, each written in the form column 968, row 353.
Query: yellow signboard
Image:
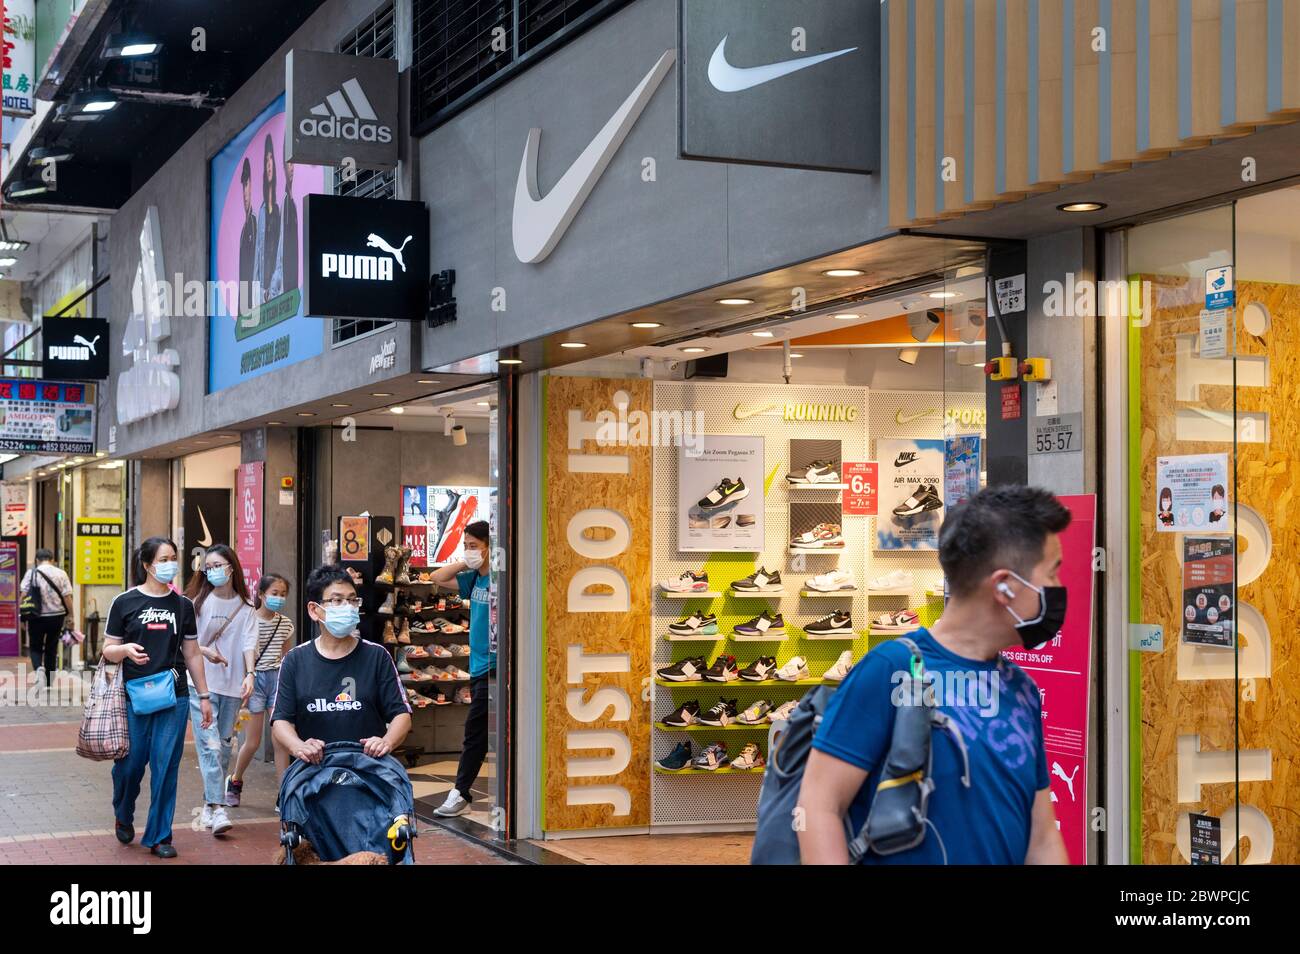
column 98, row 549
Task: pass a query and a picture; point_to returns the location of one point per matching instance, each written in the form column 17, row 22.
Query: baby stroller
column 350, row 802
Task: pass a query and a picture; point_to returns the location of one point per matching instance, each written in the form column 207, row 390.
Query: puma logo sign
column 374, row 241
column 367, row 267
column 82, row 350
column 89, row 344
column 1067, row 779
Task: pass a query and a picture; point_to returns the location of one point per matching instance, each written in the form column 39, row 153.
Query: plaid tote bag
column 103, row 733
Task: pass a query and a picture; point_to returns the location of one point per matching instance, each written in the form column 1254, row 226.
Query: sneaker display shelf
column 725, row 770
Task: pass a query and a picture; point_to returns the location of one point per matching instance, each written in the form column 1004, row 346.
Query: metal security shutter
column 374, row 36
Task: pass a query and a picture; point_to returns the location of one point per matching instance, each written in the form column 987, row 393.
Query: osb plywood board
column 1267, row 709
column 611, row 701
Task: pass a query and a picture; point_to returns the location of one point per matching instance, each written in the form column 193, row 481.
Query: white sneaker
column 221, row 822
column 794, row 670
column 841, row 668
column 205, row 817
column 832, row 582
column 898, row 580
column 454, row 805
column 782, row 712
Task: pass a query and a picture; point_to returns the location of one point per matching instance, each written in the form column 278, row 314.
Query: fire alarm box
column 1037, row 369
column 1002, row 369
column 286, row 483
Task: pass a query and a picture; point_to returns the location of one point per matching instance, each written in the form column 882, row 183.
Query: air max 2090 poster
column 434, row 520
column 911, row 494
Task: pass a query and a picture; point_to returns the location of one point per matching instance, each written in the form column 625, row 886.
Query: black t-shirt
column 339, row 700
column 158, row 623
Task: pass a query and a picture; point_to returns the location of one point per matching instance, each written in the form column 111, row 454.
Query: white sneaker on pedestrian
column 454, row 805
column 205, row 817
column 221, row 822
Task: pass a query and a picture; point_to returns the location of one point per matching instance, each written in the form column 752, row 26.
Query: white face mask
column 473, row 558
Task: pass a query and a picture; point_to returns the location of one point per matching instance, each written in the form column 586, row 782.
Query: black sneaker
column 697, row 624
column 760, row 581
column 724, row 669
column 724, row 713
column 678, row 759
column 688, row 713
column 124, row 833
column 764, row 624
column 688, row 670
column 727, row 492
column 924, row 499
column 712, row 758
column 759, row 670
column 838, row 623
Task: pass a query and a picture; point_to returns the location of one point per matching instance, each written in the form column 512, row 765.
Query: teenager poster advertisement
column 255, row 254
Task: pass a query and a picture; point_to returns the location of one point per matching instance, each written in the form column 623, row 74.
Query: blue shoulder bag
column 154, row 692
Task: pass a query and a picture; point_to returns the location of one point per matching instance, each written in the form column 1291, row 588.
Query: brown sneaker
column 390, row 638
column 403, row 577
column 391, row 556
column 404, row 637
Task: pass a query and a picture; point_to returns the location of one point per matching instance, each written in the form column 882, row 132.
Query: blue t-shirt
column 477, row 587
column 998, row 710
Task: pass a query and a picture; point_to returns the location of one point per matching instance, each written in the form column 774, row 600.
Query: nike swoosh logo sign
column 902, row 418
column 744, row 412
column 206, row 539
column 539, row 223
column 732, row 79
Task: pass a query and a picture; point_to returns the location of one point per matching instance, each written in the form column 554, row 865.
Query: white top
column 237, row 637
column 52, row 585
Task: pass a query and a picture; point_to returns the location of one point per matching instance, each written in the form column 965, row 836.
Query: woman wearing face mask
column 227, row 627
column 274, row 638
column 338, row 687
column 151, row 632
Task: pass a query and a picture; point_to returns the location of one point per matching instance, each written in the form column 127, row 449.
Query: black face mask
column 1051, row 616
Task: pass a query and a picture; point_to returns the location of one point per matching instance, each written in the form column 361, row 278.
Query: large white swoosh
column 732, row 79
column 743, row 412
column 539, row 223
column 206, row 539
column 902, row 418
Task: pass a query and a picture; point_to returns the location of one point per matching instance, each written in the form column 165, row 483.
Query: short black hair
column 323, row 577
column 1000, row 527
column 44, row 553
column 479, row 530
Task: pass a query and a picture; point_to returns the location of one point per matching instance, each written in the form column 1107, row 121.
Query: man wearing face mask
column 338, row 687
column 1001, row 553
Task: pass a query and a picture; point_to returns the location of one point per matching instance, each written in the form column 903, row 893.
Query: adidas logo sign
column 347, row 114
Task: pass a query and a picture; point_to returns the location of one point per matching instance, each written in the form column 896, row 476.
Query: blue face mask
column 342, row 620
column 166, row 572
column 275, row 603
column 219, row 576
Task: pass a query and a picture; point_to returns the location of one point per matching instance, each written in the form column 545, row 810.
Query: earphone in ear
column 1006, row 591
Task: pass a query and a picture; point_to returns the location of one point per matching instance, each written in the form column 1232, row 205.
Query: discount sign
column 861, row 490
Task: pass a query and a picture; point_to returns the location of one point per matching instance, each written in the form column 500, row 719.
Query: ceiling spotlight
column 694, row 350
column 763, row 334
column 1081, row 206
column 510, row 360
column 398, row 410
column 647, row 324
column 458, row 436
column 922, row 324
column 909, row 355
column 735, row 301
column 843, row 272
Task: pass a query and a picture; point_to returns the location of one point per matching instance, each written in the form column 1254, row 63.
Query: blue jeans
column 157, row 740
column 214, row 743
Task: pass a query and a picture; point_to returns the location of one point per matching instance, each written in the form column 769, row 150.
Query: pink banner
column 248, row 520
column 1062, row 668
column 9, row 599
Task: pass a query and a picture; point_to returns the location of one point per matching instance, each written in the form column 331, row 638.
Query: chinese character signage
column 98, row 549
column 46, row 417
column 248, row 520
column 19, row 57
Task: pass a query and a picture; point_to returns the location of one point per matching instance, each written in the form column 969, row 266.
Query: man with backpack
column 50, row 602
column 883, row 784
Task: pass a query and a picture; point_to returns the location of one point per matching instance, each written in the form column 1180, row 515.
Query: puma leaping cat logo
column 374, row 241
column 1067, row 779
column 89, row 344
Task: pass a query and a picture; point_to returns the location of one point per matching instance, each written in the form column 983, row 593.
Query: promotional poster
column 1192, row 493
column 1207, row 591
column 911, row 474
column 15, row 510
column 961, row 468
column 434, row 520
column 720, row 495
column 248, row 519
column 256, row 255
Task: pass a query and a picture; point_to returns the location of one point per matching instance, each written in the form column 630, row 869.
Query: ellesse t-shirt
column 339, row 700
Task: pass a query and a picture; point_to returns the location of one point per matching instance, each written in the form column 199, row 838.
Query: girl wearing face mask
column 274, row 638
column 151, row 631
column 227, row 625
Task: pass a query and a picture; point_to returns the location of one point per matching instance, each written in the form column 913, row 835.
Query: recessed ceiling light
column 843, row 272
column 795, row 354
column 735, row 301
column 763, row 334
column 483, row 403
column 381, row 393
column 647, row 324
column 101, row 453
column 694, row 350
column 572, row 344
column 1081, row 206
column 340, row 405
column 6, row 262
column 943, row 294
column 275, row 422
column 847, row 317
column 398, row 410
column 306, row 413
column 426, row 381
column 510, row 360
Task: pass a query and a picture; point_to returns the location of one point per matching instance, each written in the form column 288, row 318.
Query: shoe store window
column 398, row 493
column 728, row 522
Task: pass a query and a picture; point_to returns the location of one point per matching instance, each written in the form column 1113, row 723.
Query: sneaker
column 818, row 472
column 794, row 670
column 904, row 621
column 783, row 711
column 722, row 714
column 760, row 581
column 688, row 670
column 456, row 804
column 724, row 669
column 697, row 624
column 233, row 790
column 838, row 623
column 688, row 582
column 749, row 758
column 713, row 757
column 756, row 714
column 415, row 652
column 455, row 672
column 841, row 668
column 441, row 652
column 688, row 713
column 205, row 817
column 760, row 670
column 719, row 523
column 746, row 519
column 463, row 696
column 221, row 822
column 678, row 759
column 898, row 580
column 824, row 536
column 832, row 582
column 764, row 624
column 922, row 501
column 905, row 458
column 402, row 665
column 727, row 492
